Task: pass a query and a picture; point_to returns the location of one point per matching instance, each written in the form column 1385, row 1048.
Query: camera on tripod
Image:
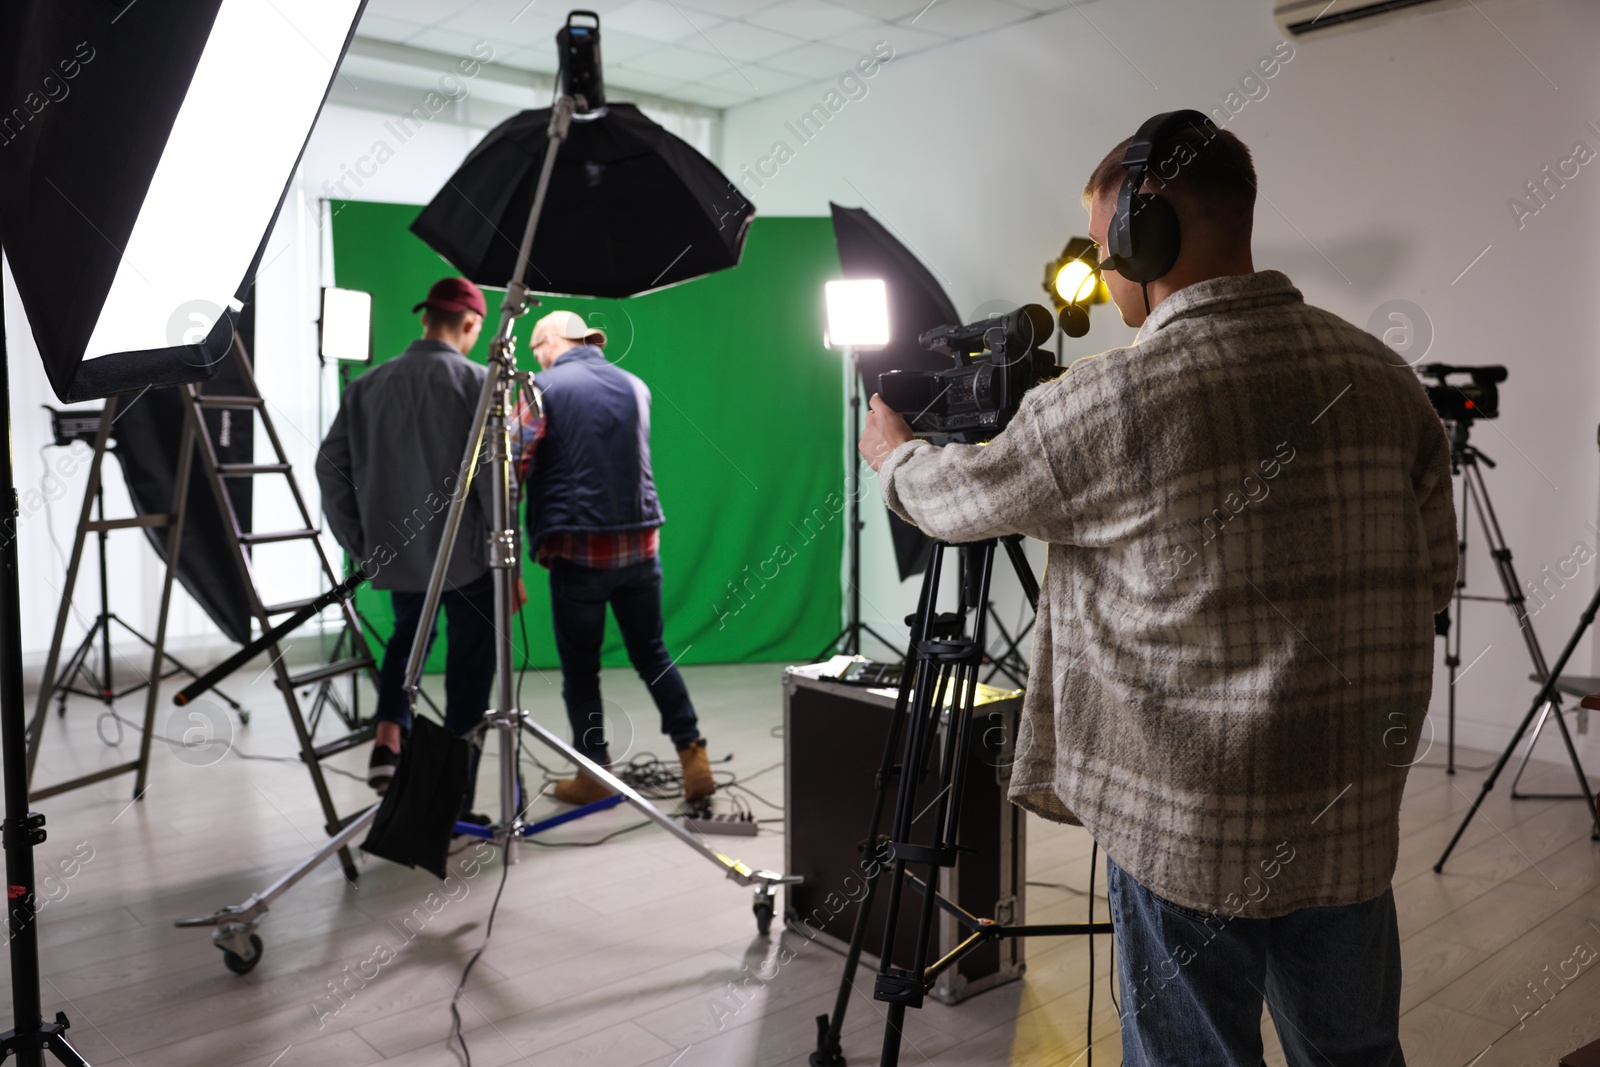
column 1463, row 402
column 997, row 360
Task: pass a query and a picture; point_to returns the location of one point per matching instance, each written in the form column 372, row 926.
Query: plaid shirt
column 1250, row 527
column 600, row 550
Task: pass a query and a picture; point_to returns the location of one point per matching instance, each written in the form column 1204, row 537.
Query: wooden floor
column 636, row 952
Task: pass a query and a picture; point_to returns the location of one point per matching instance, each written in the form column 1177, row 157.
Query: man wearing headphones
column 1250, row 528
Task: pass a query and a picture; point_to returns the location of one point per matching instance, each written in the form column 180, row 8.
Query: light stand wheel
column 240, row 964
column 240, row 945
column 764, row 908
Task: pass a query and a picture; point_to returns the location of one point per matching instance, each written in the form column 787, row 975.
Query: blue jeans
column 578, row 599
column 468, row 666
column 1192, row 984
column 469, row 659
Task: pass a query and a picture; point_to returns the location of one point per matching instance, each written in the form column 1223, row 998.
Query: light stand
column 491, row 427
column 848, row 640
column 858, row 317
column 22, row 829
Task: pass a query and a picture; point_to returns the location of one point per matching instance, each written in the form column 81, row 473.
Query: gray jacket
column 389, row 466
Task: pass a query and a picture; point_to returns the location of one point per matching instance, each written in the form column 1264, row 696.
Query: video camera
column 997, row 360
column 1463, row 401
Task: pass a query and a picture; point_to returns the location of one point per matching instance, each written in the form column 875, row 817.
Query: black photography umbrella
column 917, row 303
column 630, row 207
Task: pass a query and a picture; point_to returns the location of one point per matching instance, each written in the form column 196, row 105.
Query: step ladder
column 94, row 428
column 351, row 655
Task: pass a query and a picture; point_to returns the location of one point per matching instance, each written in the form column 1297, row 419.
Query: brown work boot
column 580, row 790
column 697, row 781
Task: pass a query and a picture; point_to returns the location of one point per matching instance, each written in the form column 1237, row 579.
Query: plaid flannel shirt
column 1250, row 528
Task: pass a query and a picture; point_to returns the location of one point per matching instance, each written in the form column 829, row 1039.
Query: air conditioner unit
column 1301, row 18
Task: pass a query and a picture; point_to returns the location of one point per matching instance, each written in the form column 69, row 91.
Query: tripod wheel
column 239, row 964
column 764, row 913
column 244, row 716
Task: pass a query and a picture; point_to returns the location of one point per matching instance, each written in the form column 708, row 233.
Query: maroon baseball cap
column 454, row 294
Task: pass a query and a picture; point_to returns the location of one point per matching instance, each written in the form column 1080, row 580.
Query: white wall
column 1386, row 157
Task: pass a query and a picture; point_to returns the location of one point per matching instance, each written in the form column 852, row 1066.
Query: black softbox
column 147, row 431
column 144, row 156
column 917, row 303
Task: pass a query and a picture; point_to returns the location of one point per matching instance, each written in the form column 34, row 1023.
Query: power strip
column 741, row 824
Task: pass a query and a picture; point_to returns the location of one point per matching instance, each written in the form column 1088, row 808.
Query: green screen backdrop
column 746, row 431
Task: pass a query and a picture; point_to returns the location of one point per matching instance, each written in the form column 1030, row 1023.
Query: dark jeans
column 469, row 659
column 1193, row 984
column 578, row 599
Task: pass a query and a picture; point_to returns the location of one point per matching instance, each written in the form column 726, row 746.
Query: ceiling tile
column 508, row 23
column 752, row 81
column 659, row 20
column 539, row 60
column 961, row 18
column 422, row 12
column 903, row 38
column 888, row 9
column 731, row 9
column 674, row 62
column 382, row 28
column 706, row 95
column 814, row 61
column 449, row 43
column 619, row 47
column 740, row 41
column 811, row 20
column 620, row 83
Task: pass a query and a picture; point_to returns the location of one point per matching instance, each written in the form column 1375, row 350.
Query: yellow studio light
column 1074, row 276
column 1075, row 282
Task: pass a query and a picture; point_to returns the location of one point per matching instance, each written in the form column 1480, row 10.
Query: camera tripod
column 1464, row 459
column 942, row 682
column 79, row 677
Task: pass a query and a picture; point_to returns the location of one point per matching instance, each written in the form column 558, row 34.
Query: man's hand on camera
column 886, row 431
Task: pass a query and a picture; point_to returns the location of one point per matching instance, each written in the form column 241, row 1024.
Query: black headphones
column 1143, row 239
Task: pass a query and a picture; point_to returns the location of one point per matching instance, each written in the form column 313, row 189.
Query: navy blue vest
column 591, row 472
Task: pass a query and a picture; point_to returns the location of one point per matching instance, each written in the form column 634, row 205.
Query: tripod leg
column 1577, row 767
column 828, row 1052
column 894, row 1023
column 1545, row 695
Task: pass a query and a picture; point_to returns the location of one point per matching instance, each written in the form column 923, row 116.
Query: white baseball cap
column 571, row 326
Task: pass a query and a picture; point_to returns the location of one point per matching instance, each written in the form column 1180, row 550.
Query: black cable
column 1094, row 859
column 522, row 624
column 461, row 987
column 587, row 844
column 235, row 750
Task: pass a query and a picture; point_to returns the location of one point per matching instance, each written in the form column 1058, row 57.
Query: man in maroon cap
column 388, row 469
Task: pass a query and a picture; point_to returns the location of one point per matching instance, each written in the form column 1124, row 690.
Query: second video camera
column 997, row 361
column 1463, row 401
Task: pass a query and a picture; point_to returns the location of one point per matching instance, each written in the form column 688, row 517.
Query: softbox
column 147, row 430
column 917, row 303
column 146, row 152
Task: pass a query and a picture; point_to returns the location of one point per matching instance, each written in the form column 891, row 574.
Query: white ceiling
column 716, row 53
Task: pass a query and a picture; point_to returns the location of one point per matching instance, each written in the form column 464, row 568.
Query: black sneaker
column 380, row 768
